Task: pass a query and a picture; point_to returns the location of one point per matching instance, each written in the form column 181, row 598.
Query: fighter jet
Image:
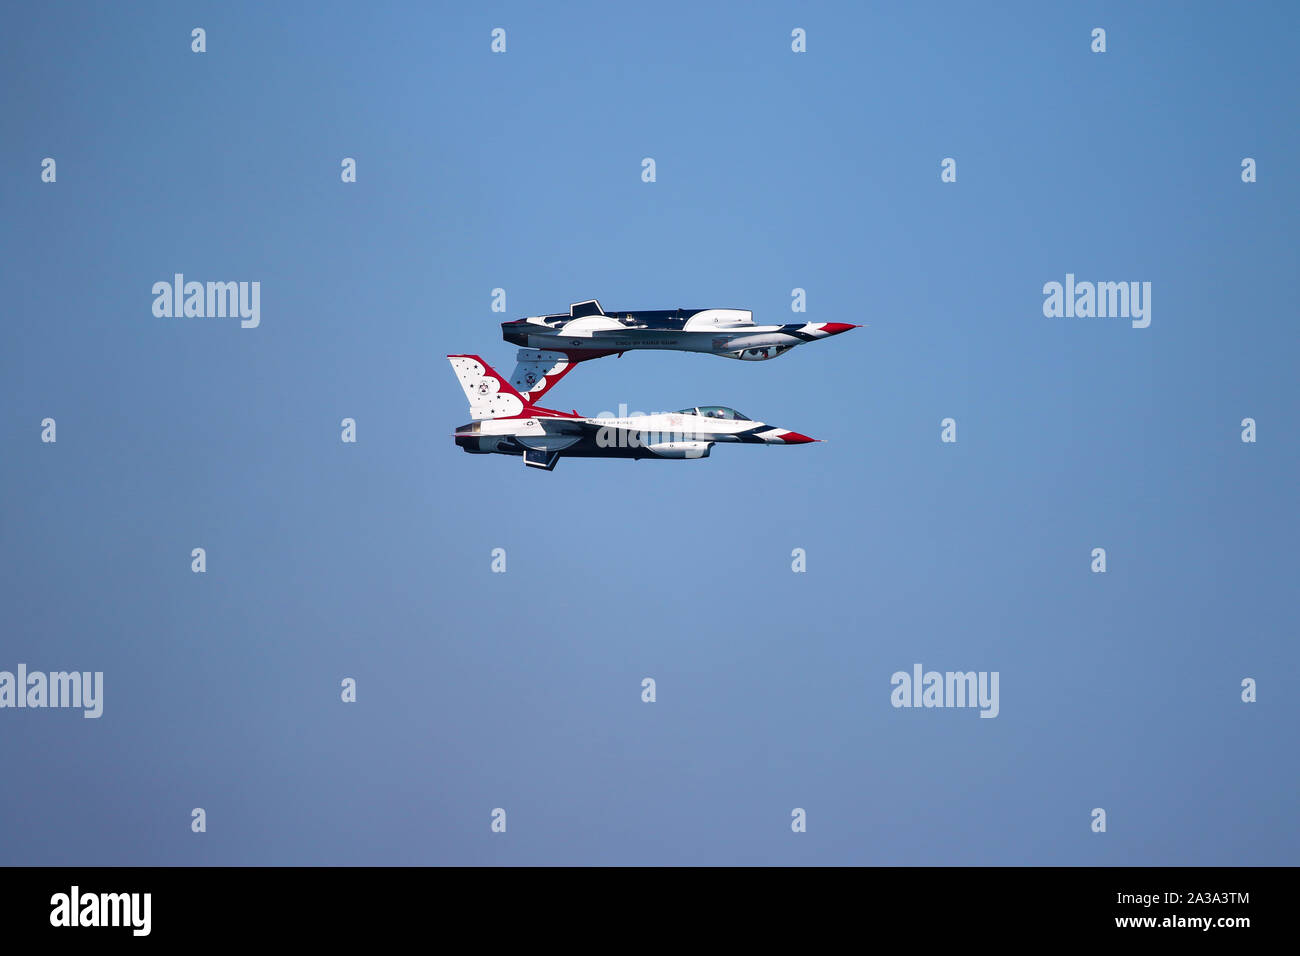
column 506, row 422
column 586, row 331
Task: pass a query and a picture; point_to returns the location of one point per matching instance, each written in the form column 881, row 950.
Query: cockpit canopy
column 715, row 411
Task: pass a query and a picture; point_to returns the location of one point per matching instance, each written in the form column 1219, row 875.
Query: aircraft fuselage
column 689, row 433
column 726, row 332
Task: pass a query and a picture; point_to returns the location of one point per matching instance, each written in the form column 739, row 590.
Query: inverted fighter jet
column 552, row 344
column 506, row 422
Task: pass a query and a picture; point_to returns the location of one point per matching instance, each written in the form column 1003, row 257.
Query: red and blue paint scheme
column 508, row 421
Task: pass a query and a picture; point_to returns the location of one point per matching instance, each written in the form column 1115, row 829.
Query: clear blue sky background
column 522, row 690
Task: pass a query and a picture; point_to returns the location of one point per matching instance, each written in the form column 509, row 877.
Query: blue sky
column 522, row 690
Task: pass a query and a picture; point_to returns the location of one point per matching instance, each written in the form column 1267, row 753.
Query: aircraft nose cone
column 835, row 328
column 794, row 438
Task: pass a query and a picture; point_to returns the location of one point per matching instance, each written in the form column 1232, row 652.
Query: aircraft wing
column 572, row 428
column 542, row 451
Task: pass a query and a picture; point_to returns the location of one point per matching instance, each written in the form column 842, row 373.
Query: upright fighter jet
column 552, row 344
column 506, row 422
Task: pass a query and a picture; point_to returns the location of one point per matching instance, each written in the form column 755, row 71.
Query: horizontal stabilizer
column 540, row 458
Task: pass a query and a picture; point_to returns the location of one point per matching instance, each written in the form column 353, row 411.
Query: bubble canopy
column 715, row 411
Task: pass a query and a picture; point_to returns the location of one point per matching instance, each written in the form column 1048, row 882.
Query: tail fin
column 489, row 395
column 539, row 370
